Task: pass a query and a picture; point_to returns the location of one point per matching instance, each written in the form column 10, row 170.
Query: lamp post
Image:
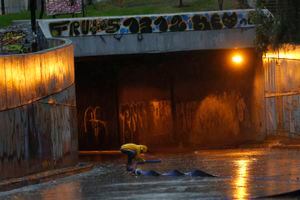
column 2, row 7
column 33, row 15
column 180, row 3
column 33, row 24
column 220, row 2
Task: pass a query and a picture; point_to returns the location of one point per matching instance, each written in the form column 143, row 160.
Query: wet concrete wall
column 156, row 33
column 189, row 98
column 282, row 93
column 39, row 136
column 38, row 126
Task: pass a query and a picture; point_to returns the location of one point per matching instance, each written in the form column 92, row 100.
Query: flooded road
column 242, row 174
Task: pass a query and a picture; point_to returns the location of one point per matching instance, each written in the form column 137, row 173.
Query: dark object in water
column 195, row 173
column 199, row 173
column 173, row 173
column 146, row 173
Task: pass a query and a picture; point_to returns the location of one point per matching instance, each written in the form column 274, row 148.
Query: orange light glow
column 28, row 77
column 241, row 180
column 287, row 52
column 237, row 59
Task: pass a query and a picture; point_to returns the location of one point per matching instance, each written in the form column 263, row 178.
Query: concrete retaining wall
column 163, row 42
column 38, row 128
column 282, row 71
column 157, row 33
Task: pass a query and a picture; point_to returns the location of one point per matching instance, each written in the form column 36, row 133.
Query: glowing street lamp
column 237, row 59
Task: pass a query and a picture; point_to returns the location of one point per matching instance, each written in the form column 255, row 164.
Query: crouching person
column 133, row 152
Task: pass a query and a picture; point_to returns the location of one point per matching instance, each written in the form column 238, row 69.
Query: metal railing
column 14, row 6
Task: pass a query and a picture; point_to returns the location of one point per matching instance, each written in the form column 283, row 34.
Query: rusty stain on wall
column 218, row 119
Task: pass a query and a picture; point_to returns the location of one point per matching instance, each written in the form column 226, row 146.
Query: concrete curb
column 295, row 146
column 111, row 152
column 42, row 177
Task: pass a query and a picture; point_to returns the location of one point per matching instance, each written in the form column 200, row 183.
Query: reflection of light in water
column 240, row 180
column 63, row 191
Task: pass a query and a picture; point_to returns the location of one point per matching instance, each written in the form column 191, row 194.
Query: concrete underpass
column 174, row 84
column 192, row 88
column 197, row 98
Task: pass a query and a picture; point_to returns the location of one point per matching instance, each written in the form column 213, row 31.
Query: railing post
column 33, row 23
column 2, row 7
column 33, row 15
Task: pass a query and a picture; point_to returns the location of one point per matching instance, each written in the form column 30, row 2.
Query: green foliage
column 134, row 7
column 266, row 28
column 273, row 31
column 5, row 20
column 14, row 48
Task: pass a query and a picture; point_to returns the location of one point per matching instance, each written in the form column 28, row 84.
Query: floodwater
column 242, row 174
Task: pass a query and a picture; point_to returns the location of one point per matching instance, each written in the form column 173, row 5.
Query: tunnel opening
column 198, row 99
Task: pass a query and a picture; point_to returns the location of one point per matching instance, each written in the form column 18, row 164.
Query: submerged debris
column 194, row 173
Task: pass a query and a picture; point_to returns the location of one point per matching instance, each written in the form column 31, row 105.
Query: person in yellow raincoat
column 133, row 151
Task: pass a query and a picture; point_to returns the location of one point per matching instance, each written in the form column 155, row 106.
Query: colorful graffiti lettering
column 54, row 7
column 13, row 41
column 200, row 21
column 12, row 37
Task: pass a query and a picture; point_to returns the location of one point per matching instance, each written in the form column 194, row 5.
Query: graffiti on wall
column 61, row 135
column 94, row 126
column 12, row 37
column 12, row 41
column 219, row 119
column 185, row 113
column 28, row 136
column 200, row 21
column 161, row 117
column 133, row 119
column 213, row 118
column 54, row 7
column 139, row 119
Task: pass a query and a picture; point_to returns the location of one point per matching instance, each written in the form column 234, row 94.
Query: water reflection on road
column 241, row 179
column 242, row 174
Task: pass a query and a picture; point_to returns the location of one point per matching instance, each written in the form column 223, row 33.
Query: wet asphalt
column 241, row 174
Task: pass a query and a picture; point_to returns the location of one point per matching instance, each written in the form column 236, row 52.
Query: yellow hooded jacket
column 134, row 147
